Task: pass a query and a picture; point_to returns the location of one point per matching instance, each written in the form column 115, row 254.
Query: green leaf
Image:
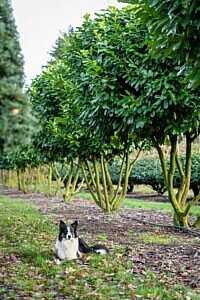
column 139, row 124
column 87, row 17
column 177, row 46
column 166, row 104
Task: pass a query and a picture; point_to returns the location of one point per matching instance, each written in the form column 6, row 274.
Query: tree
column 121, row 88
column 58, row 143
column 60, row 85
column 173, row 31
column 14, row 109
column 96, row 86
column 116, row 95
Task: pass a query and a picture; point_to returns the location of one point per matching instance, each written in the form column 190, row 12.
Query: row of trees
column 104, row 95
column 28, row 170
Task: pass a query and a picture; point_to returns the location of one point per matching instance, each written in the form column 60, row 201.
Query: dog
column 69, row 246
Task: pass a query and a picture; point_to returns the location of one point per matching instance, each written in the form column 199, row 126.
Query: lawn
column 28, row 270
column 151, row 205
column 147, row 205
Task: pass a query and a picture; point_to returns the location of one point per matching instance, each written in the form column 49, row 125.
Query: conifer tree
column 14, row 108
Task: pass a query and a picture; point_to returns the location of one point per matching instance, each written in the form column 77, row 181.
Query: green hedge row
column 147, row 171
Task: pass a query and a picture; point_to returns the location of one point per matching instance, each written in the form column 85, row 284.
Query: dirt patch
column 172, row 254
column 148, row 197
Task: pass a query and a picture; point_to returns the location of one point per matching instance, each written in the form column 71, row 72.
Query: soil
column 172, row 254
column 148, row 196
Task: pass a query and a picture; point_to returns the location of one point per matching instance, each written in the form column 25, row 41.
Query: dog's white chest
column 67, row 249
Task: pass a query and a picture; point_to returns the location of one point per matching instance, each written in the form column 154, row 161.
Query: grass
column 29, row 271
column 85, row 195
column 146, row 237
column 146, row 205
column 150, row 205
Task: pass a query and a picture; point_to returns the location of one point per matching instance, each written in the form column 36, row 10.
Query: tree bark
column 178, row 201
column 197, row 223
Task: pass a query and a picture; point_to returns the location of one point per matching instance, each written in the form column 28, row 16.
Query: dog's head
column 67, row 231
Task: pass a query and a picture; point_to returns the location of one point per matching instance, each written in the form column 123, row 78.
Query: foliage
column 15, row 115
column 102, row 51
column 25, row 156
column 57, row 137
column 173, row 31
column 148, row 171
column 59, row 48
column 10, row 47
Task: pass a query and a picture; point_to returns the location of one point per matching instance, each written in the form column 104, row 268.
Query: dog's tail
column 100, row 249
column 85, row 248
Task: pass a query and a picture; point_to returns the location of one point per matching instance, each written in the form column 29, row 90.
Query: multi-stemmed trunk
column 69, row 180
column 106, row 195
column 179, row 199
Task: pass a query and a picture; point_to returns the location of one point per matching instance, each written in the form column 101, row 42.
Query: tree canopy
column 173, row 31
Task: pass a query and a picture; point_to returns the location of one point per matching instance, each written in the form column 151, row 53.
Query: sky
column 40, row 22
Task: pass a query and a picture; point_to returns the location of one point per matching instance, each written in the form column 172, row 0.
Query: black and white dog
column 70, row 246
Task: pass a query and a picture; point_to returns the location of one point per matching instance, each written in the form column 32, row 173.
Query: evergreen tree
column 14, row 108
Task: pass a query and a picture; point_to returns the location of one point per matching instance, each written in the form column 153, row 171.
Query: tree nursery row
column 100, row 102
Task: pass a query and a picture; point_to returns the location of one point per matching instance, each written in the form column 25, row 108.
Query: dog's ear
column 74, row 225
column 62, row 225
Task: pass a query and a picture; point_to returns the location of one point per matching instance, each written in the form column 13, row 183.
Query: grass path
column 140, row 265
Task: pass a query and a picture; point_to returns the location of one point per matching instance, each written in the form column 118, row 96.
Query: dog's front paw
column 57, row 261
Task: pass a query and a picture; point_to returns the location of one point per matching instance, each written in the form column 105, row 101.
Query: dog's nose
column 69, row 236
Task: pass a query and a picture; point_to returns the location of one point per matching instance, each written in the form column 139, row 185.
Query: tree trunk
column 180, row 220
column 197, row 223
column 178, row 201
column 106, row 195
column 49, row 182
